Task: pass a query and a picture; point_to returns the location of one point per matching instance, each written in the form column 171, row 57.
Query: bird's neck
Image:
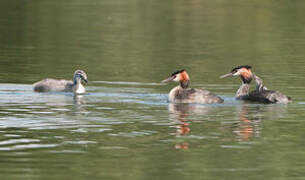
column 242, row 91
column 78, row 87
column 184, row 84
column 259, row 83
column 246, row 79
column 76, row 81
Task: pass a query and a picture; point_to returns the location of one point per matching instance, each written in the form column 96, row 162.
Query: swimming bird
column 261, row 93
column 74, row 86
column 183, row 94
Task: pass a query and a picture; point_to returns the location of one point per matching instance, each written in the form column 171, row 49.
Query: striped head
column 243, row 71
column 179, row 76
column 80, row 75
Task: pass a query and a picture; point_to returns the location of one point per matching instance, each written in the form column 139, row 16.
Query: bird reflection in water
column 79, row 101
column 247, row 126
column 250, row 119
column 179, row 113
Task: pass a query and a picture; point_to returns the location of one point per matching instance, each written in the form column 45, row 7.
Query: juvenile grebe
column 260, row 94
column 184, row 94
column 74, row 86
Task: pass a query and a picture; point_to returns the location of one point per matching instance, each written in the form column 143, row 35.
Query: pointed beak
column 84, row 79
column 226, row 75
column 168, row 79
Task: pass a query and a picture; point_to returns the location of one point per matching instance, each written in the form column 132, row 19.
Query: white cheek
column 236, row 74
column 177, row 78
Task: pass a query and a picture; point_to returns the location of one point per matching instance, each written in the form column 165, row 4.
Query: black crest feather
column 177, row 72
column 239, row 67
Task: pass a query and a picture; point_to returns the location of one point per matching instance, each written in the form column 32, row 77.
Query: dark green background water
column 124, row 128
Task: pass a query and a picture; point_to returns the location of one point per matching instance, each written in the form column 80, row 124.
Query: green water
column 124, row 128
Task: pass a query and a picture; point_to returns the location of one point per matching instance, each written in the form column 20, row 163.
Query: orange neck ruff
column 184, row 77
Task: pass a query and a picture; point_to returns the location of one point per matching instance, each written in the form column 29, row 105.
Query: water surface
column 124, row 127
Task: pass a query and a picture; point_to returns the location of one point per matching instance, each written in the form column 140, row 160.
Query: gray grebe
column 184, row 94
column 261, row 93
column 74, row 86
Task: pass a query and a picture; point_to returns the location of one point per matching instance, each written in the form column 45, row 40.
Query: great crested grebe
column 74, row 86
column 184, row 94
column 261, row 93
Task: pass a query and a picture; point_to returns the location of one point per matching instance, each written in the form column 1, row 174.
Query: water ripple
column 17, row 141
column 27, row 146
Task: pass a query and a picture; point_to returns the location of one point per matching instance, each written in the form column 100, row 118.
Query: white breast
column 81, row 89
column 171, row 95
